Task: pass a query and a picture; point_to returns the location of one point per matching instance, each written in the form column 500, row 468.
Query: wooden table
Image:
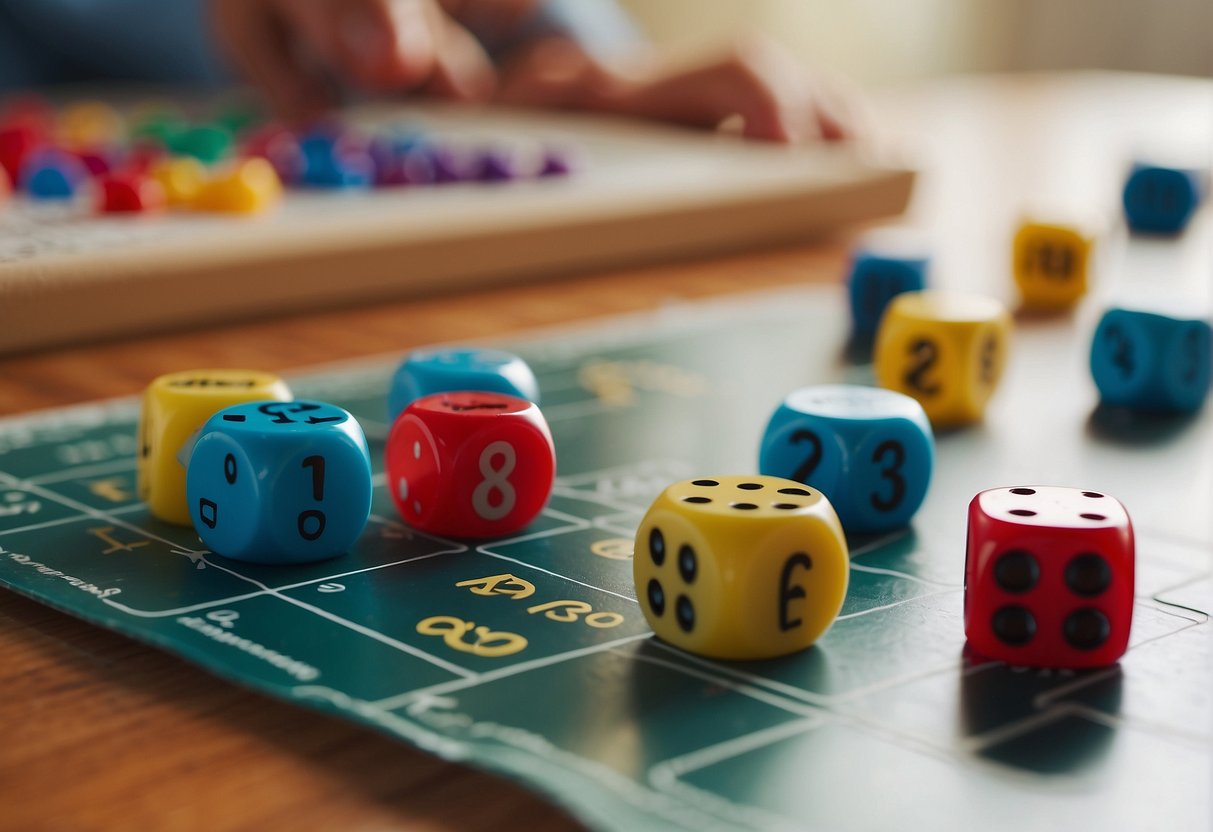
column 100, row 732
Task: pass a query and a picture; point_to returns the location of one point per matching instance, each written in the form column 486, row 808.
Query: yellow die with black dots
column 740, row 567
column 175, row 406
column 945, row 349
column 1049, row 262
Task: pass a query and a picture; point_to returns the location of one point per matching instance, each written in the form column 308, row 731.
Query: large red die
column 470, row 464
column 1049, row 577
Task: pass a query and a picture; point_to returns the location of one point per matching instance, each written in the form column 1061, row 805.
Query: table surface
column 104, row 733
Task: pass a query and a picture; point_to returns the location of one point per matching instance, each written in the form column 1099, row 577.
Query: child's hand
column 291, row 49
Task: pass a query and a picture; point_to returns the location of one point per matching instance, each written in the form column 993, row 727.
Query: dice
column 870, row 451
column 1160, row 200
column 945, row 349
column 469, row 464
column 885, row 264
column 174, row 407
column 430, row 371
column 1048, row 577
column 280, row 482
column 1151, row 362
column 740, row 567
column 1049, row 262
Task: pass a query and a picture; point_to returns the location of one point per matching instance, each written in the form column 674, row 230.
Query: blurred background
column 880, row 41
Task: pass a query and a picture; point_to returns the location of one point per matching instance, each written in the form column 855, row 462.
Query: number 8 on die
column 469, row 464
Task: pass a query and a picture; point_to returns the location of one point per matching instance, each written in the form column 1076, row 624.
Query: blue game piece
column 53, row 174
column 279, row 482
column 426, row 372
column 869, row 450
column 333, row 159
column 1160, row 200
column 1152, row 362
column 882, row 267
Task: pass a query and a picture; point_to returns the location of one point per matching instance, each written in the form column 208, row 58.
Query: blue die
column 426, row 372
column 279, row 482
column 869, row 450
column 883, row 267
column 1160, row 200
column 1147, row 361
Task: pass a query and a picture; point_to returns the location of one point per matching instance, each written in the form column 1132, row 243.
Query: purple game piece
column 450, row 165
column 417, row 167
column 556, row 162
column 495, row 166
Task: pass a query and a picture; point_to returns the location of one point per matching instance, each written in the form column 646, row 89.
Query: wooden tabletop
column 103, row 733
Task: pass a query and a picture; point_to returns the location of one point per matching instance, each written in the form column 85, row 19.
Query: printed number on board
column 506, row 584
column 486, row 643
column 568, row 612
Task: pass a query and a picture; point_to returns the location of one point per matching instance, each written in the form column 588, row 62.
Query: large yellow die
column 175, row 406
column 740, row 567
column 945, row 349
column 1049, row 263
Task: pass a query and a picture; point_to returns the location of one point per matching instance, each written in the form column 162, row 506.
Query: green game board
column 884, row 724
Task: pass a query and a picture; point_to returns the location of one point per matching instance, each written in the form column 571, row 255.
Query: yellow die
column 946, row 350
column 175, row 406
column 1050, row 265
column 87, row 124
column 181, row 177
column 248, row 187
column 740, row 567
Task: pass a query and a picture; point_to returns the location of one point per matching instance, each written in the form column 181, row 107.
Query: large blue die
column 1160, row 200
column 430, row 371
column 1152, row 362
column 869, row 450
column 280, row 482
column 883, row 267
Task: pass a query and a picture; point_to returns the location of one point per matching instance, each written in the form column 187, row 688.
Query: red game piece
column 125, row 193
column 1049, row 577
column 470, row 464
column 17, row 141
column 99, row 162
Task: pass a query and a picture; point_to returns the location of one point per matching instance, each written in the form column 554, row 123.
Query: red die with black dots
column 1049, row 577
column 471, row 465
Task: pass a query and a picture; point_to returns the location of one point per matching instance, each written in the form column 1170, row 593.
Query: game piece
column 556, row 162
column 17, row 141
column 129, row 193
column 430, row 371
column 208, row 143
column 96, row 161
column 181, row 178
column 947, row 350
column 495, row 165
column 1049, row 577
column 175, row 406
column 280, row 147
column 870, row 451
column 388, row 154
column 885, row 264
column 450, row 165
column 1049, row 262
column 417, row 167
column 90, row 124
column 246, row 187
column 51, row 173
column 280, row 482
column 470, row 465
column 335, row 158
column 161, row 125
column 1152, row 362
column 748, row 567
column 1160, row 200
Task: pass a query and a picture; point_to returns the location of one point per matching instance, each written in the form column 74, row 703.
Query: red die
column 470, row 464
column 1048, row 577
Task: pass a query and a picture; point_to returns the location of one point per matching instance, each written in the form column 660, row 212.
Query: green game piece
column 205, row 142
column 162, row 127
column 238, row 117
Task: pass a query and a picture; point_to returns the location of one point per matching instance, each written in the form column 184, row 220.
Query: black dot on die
column 797, row 492
column 699, row 500
column 744, row 506
column 1094, row 495
column 656, row 597
column 1023, row 512
column 1023, row 492
column 1016, row 571
column 657, row 546
column 705, row 483
column 688, row 564
column 1013, row 625
column 1086, row 629
column 684, row 611
column 784, row 506
column 1088, row 575
column 1089, row 516
column 750, row 486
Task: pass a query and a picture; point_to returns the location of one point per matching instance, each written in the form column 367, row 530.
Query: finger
column 462, row 69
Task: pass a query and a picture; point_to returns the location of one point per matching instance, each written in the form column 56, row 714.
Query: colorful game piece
column 449, row 164
column 430, row 371
column 97, row 162
column 556, row 162
column 470, row 465
column 160, row 124
column 208, row 143
column 947, row 350
column 51, row 173
column 870, row 451
column 280, row 482
column 1049, row 577
column 417, row 167
column 335, row 158
column 90, row 124
column 181, row 178
column 175, row 406
column 1049, row 262
column 247, row 187
column 1160, row 200
column 748, row 567
column 121, row 193
column 388, row 153
column 495, row 165
column 1152, row 362
column 280, row 147
column 17, row 141
column 886, row 263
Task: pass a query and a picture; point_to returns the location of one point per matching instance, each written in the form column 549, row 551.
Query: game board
column 639, row 192
column 529, row 655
